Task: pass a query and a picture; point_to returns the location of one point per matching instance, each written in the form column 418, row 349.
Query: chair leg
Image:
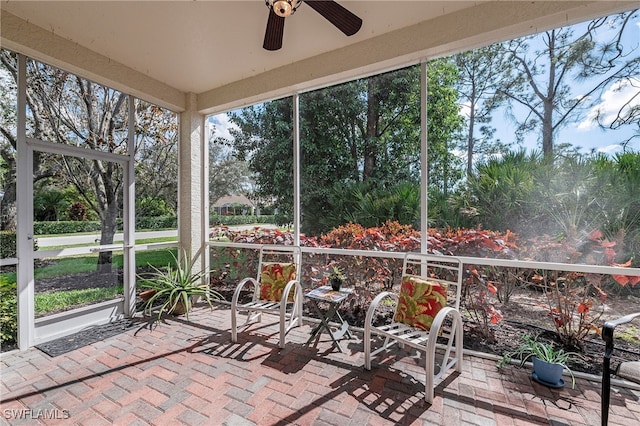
column 234, row 329
column 606, row 391
column 367, row 348
column 429, row 369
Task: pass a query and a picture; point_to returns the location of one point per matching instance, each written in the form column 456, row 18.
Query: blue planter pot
column 547, row 373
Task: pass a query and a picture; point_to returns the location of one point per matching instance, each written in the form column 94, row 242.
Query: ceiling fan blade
column 274, row 33
column 344, row 20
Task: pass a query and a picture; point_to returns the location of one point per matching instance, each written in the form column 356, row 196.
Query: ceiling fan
column 343, row 19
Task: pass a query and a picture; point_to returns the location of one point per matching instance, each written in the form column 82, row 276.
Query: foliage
column 472, row 242
column 619, row 185
column 153, row 207
column 336, row 273
column 360, row 136
column 570, row 198
column 477, row 89
column 156, row 160
column 370, row 207
column 8, row 312
column 48, row 204
column 156, row 222
column 445, row 167
column 571, row 304
column 78, row 211
column 177, row 284
column 532, row 347
column 223, row 220
column 501, row 190
column 476, row 300
column 65, row 227
column 8, row 244
column 227, row 174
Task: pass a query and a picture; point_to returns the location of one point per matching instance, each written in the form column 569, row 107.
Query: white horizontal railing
column 527, row 264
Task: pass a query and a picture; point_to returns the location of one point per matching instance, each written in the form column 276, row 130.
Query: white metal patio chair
column 426, row 317
column 276, row 290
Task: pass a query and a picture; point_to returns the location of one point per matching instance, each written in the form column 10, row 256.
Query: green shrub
column 156, row 222
column 8, row 244
column 65, row 227
column 72, row 227
column 216, row 219
column 8, row 312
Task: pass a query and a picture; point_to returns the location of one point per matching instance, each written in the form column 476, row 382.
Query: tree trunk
column 107, row 233
column 8, row 199
column 470, row 140
column 370, row 146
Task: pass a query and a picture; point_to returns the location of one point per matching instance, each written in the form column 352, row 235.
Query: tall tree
column 443, row 123
column 156, row 155
column 477, row 88
column 86, row 114
column 548, row 65
column 227, row 174
column 364, row 131
column 66, row 109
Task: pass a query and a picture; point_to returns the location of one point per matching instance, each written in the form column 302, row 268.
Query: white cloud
column 609, row 149
column 222, row 126
column 611, row 102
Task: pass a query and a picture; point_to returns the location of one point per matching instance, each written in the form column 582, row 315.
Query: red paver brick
column 186, row 372
column 260, row 411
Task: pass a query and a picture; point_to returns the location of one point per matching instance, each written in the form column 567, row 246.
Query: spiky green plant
column 532, row 347
column 177, row 284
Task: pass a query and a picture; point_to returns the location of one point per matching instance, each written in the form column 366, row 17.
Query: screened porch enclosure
column 194, row 97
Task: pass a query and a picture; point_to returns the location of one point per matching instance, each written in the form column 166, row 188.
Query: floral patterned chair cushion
column 274, row 278
column 419, row 301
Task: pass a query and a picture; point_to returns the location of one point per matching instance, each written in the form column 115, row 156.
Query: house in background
column 234, row 205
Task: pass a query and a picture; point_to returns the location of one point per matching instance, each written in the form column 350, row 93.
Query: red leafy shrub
column 572, row 299
column 369, row 274
column 78, row 211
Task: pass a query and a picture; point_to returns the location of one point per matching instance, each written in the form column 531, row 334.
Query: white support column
column 424, row 158
column 24, row 217
column 296, row 169
column 129, row 255
column 192, row 200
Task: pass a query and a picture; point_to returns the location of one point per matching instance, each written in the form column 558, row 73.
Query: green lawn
column 46, row 303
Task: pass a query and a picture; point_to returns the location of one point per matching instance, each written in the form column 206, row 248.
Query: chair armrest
column 241, row 285
column 287, row 290
column 374, row 305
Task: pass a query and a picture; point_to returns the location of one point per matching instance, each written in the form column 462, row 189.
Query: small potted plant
column 176, row 287
column 548, row 362
column 336, row 277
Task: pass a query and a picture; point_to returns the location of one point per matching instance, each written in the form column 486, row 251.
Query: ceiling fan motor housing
column 341, row 18
column 283, row 8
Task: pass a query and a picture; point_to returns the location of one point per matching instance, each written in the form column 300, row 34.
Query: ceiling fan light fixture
column 283, row 8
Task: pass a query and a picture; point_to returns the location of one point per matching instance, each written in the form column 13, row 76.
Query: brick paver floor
column 189, row 373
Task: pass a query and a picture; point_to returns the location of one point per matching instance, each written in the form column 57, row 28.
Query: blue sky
column 585, row 133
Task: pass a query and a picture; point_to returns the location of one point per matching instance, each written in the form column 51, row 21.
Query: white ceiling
column 195, row 46
column 207, row 46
